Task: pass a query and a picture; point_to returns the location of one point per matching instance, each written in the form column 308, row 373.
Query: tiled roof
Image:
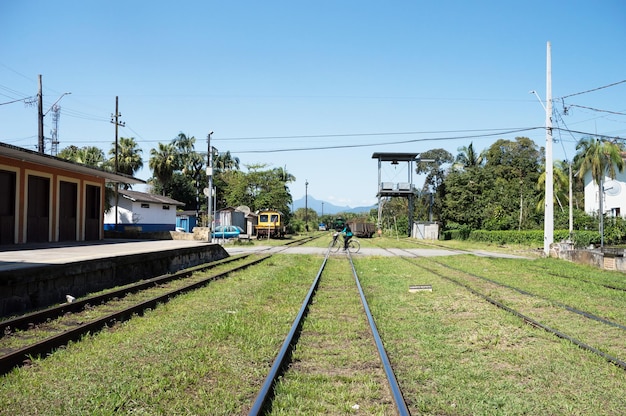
column 146, row 197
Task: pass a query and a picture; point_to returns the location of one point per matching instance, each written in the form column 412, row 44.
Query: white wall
column 614, row 194
column 130, row 212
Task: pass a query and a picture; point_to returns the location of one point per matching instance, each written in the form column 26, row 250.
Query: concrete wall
column 26, row 289
column 610, row 260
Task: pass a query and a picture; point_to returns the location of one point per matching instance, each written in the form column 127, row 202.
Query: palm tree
column 561, row 185
column 225, row 161
column 468, row 157
column 88, row 155
column 129, row 159
column 163, row 163
column 600, row 157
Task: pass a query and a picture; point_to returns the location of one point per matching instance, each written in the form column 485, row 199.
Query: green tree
column 468, row 196
column 163, row 162
column 259, row 188
column 468, row 158
column 129, row 159
column 516, row 166
column 225, row 162
column 600, row 157
column 87, row 155
column 434, row 164
column 561, row 186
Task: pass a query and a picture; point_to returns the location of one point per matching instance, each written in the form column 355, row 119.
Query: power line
column 389, row 143
column 16, row 101
column 592, row 90
column 594, row 109
column 321, row 136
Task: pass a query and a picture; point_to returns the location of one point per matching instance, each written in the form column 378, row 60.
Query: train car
column 270, row 223
column 338, row 224
column 362, row 229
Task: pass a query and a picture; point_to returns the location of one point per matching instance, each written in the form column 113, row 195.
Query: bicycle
column 335, row 244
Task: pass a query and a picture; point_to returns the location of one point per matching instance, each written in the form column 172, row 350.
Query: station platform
column 22, row 256
column 38, row 275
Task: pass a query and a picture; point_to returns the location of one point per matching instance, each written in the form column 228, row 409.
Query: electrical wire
column 500, row 133
column 596, row 109
column 592, row 90
column 322, row 136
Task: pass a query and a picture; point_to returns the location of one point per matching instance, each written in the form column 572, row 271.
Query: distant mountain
column 328, row 208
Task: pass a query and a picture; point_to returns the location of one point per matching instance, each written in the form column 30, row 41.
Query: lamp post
column 306, row 205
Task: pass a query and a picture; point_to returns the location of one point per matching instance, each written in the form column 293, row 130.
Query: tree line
column 501, row 187
column 179, row 172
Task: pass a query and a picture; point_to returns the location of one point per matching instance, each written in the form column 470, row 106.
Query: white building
column 614, row 202
column 140, row 211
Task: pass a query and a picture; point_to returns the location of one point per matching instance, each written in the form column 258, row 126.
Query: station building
column 47, row 199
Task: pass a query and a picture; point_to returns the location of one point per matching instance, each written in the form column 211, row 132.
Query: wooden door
column 93, row 216
column 7, row 207
column 68, row 196
column 38, row 215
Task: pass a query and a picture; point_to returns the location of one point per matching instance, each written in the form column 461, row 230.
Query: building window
column 145, row 205
column 167, row 207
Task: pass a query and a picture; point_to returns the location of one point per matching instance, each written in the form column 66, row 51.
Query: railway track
column 610, row 332
column 480, row 286
column 41, row 332
column 281, row 365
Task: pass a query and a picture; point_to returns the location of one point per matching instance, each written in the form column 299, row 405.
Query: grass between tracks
column 336, row 368
column 208, row 352
column 457, row 355
column 203, row 353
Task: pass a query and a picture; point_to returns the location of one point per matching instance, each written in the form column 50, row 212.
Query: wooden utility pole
column 115, row 119
column 40, row 142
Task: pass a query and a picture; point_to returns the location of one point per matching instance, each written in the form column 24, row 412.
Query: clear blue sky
column 278, row 75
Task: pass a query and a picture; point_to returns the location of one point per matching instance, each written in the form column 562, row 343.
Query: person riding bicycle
column 347, row 235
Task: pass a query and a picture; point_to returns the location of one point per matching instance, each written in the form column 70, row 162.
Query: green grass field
column 208, row 352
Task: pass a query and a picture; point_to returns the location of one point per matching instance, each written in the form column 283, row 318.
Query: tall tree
column 434, row 164
column 129, row 159
column 516, row 166
column 225, row 161
column 87, row 155
column 600, row 157
column 561, row 185
column 468, row 157
column 163, row 162
column 259, row 188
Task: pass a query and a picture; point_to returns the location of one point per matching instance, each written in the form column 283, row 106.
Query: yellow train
column 270, row 223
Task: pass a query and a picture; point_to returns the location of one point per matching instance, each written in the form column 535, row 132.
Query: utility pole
column 209, row 174
column 41, row 145
column 548, row 223
column 306, row 205
column 115, row 119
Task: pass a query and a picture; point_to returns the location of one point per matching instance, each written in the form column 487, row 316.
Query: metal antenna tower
column 56, row 114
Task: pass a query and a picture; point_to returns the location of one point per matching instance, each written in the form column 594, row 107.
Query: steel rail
column 22, row 356
column 266, row 394
column 613, row 360
column 572, row 309
column 398, row 398
column 23, row 322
